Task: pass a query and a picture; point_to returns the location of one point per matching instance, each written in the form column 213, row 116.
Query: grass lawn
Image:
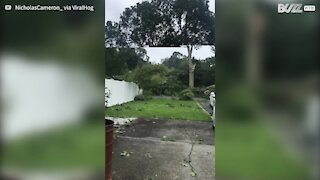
column 250, row 151
column 80, row 146
column 160, row 108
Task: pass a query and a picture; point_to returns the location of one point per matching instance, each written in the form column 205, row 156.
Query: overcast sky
column 156, row 54
column 113, row 8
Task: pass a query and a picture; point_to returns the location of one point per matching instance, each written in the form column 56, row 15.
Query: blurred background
column 52, row 84
column 267, row 93
column 52, row 92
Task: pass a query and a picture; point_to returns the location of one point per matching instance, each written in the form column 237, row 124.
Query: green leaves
column 157, row 76
column 165, row 23
column 119, row 61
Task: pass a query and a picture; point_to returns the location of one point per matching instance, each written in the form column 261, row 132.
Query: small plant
column 186, row 94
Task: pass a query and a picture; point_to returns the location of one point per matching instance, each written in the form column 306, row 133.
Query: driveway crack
column 189, row 160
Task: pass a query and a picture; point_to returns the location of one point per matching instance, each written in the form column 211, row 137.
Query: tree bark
column 191, row 67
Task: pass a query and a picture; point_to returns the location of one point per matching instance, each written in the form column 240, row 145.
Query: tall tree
column 120, row 60
column 114, row 36
column 204, row 73
column 169, row 23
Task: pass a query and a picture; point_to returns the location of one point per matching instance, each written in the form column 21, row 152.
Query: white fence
column 121, row 91
column 39, row 96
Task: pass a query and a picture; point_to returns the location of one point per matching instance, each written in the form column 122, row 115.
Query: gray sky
column 156, row 54
column 113, row 8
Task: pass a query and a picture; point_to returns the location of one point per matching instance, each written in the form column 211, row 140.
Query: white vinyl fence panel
column 121, row 91
column 39, row 96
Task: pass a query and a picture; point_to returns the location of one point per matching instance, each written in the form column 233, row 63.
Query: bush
column 148, row 93
column 239, row 104
column 186, row 94
column 200, row 92
column 212, row 88
column 142, row 97
column 209, row 89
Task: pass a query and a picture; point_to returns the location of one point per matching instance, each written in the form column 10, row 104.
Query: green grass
column 249, row 150
column 80, row 146
column 160, row 108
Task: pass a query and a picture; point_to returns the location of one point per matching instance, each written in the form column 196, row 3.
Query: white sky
column 156, row 54
column 113, row 8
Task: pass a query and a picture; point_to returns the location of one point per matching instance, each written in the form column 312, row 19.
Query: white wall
column 39, row 95
column 121, row 91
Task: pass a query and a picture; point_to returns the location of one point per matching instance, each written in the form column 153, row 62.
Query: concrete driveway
column 205, row 104
column 164, row 150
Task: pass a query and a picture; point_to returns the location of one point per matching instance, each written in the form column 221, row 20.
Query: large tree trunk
column 191, row 67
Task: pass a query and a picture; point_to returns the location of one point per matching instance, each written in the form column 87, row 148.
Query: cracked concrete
column 154, row 158
column 192, row 169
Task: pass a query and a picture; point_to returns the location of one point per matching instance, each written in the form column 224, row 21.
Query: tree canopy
column 119, row 61
column 167, row 78
column 204, row 73
column 163, row 23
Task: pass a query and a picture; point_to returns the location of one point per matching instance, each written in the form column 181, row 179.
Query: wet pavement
column 153, row 149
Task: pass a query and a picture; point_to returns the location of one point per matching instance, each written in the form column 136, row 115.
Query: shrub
column 148, row 93
column 186, row 94
column 209, row 89
column 239, row 103
column 142, row 97
column 199, row 92
column 174, row 98
column 212, row 88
